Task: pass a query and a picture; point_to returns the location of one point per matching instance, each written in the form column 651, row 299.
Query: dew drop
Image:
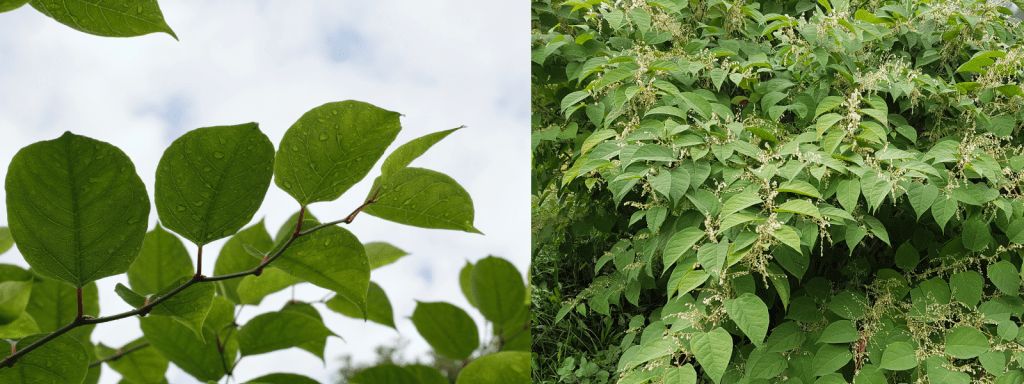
column 295, row 148
column 218, row 155
column 323, row 136
column 360, row 158
column 287, row 185
column 269, row 167
column 132, row 221
column 321, row 120
column 181, row 208
column 327, row 242
column 249, row 148
column 125, row 4
column 206, row 169
column 222, row 141
column 97, row 146
column 197, row 203
column 180, row 156
column 334, row 111
column 139, row 9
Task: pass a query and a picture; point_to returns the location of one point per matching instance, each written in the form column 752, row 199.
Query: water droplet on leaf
column 323, row 136
column 334, row 111
column 139, row 9
column 206, row 169
column 197, row 203
column 327, row 242
column 295, row 148
column 218, row 155
column 181, row 208
column 287, row 185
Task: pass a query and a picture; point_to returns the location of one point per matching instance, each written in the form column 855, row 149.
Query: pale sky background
column 440, row 63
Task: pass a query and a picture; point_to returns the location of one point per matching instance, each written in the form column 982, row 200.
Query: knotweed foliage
column 778, row 191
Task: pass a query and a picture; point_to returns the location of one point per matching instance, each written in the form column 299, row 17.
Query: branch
column 119, row 354
column 198, row 278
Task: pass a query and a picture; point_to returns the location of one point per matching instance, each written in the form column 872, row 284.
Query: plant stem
column 199, row 263
column 119, row 354
column 81, row 312
column 198, row 278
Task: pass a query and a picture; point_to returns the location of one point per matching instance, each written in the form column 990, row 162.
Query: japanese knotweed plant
column 78, row 212
column 807, row 191
column 111, row 18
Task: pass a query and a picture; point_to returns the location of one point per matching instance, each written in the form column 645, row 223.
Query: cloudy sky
column 442, row 64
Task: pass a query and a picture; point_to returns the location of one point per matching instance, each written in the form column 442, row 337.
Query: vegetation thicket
column 79, row 212
column 805, row 191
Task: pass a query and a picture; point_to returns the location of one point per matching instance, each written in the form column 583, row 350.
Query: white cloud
column 440, row 63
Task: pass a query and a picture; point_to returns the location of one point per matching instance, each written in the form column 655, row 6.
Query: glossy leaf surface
column 423, row 198
column 211, row 181
column 447, row 328
column 64, row 199
column 332, row 147
column 121, row 18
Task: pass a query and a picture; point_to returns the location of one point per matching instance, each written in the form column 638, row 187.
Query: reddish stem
column 199, row 264
column 298, row 224
column 81, row 311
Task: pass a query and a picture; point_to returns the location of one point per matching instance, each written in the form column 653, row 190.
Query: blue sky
column 442, row 64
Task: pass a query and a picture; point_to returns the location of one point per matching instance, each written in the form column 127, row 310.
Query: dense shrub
column 768, row 191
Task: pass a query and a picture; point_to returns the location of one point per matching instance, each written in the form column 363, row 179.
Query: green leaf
column 595, row 139
column 180, row 346
column 899, row 356
column 876, row 227
column 966, row 287
column 233, row 258
column 785, row 337
column 684, row 281
column 827, row 104
column 875, row 188
column 921, row 197
column 800, row 187
column 681, row 242
column 827, row 121
column 64, row 199
column 252, row 289
column 10, row 5
column 976, row 236
column 331, row 148
column 53, row 305
column 466, row 282
column 907, row 256
column 279, row 330
column 713, row 256
column 497, row 368
column 943, row 209
column 830, row 358
column 965, row 342
column 713, row 351
column 101, row 19
column 384, row 373
column 23, row 326
column 794, row 262
column 848, row 193
column 317, row 346
column 849, row 305
column 211, row 181
column 840, row 332
column 284, row 378
column 381, row 253
column 331, row 258
column 787, row 235
column 1005, row 277
column 802, row 207
column 498, row 289
column 751, row 315
column 163, row 261
column 685, row 374
column 377, row 304
column 447, row 328
column 423, row 198
column 6, row 241
column 62, row 360
column 408, row 152
column 1015, row 231
column 740, row 201
column 144, row 365
column 189, row 306
column 13, row 299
